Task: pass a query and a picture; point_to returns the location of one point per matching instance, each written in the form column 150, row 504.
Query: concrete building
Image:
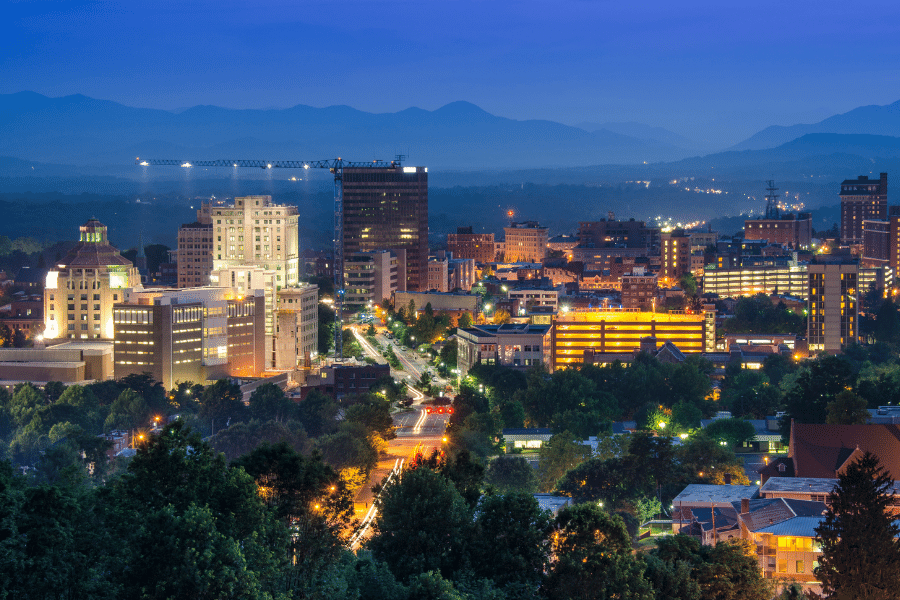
column 370, row 277
column 639, row 290
column 675, row 252
column 461, row 274
column 190, row 334
column 254, row 232
column 622, row 234
column 296, row 327
column 861, row 199
column 769, row 277
column 881, row 241
column 344, row 380
column 195, row 253
column 438, row 273
column 476, row 246
column 524, row 299
column 80, row 291
column 790, row 230
column 387, row 209
column 832, row 306
column 577, row 333
column 440, row 302
column 525, row 242
column 70, row 362
column 517, row 345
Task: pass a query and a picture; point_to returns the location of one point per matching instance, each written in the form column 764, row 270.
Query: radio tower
column 772, row 211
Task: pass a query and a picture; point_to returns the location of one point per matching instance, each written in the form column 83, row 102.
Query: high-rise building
column 195, row 254
column 675, row 251
column 622, row 234
column 861, row 199
column 477, row 246
column 189, row 334
column 387, row 209
column 296, row 327
column 79, row 292
column 881, row 241
column 254, row 232
column 639, row 290
column 371, row 277
column 832, row 306
column 525, row 242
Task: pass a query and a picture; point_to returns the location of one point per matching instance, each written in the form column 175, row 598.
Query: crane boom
column 336, row 166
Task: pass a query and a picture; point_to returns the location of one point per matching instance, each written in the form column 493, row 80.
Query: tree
column 561, row 453
column 268, row 403
column 318, row 413
column 733, row 431
column 511, row 473
column 128, row 411
column 465, row 320
column 860, row 554
column 422, row 525
column 501, row 317
column 727, row 571
column 847, row 408
column 510, row 543
column 221, row 403
column 593, row 558
column 816, row 386
column 326, row 329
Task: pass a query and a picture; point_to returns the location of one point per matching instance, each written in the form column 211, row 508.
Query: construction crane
column 336, row 166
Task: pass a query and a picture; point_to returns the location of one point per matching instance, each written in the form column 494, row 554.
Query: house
column 824, row 451
column 526, row 438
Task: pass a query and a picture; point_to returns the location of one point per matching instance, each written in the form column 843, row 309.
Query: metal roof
column 722, row 495
column 798, row 526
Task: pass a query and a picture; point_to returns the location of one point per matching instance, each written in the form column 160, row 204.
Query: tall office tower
column 833, row 315
column 477, row 246
column 620, row 234
column 371, row 277
column 256, row 233
column 675, row 251
column 525, row 242
column 194, row 254
column 861, row 199
column 387, row 209
column 80, row 291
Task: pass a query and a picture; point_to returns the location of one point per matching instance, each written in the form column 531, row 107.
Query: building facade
column 438, row 273
column 254, row 232
column 789, row 230
column 639, row 290
column 675, row 253
column 623, row 234
column 371, row 277
column 190, row 334
column 525, row 242
column 861, row 199
column 80, row 291
column 618, row 331
column 387, row 209
column 296, row 327
column 476, row 246
column 516, row 345
column 832, row 306
column 195, row 254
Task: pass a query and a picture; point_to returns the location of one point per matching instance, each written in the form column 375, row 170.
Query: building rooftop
column 825, row 450
column 797, row 526
column 719, row 495
column 809, row 485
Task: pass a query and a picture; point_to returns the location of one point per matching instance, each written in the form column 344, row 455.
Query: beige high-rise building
column 296, row 326
column 254, row 232
column 79, row 292
column 525, row 242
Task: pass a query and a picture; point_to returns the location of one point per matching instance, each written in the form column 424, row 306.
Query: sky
column 715, row 72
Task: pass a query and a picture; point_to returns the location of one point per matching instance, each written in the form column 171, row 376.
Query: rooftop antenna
column 772, row 211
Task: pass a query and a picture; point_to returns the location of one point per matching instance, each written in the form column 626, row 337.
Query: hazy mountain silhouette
column 874, row 120
column 85, row 131
column 649, row 133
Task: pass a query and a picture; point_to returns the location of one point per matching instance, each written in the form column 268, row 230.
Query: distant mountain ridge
column 873, row 120
column 81, row 130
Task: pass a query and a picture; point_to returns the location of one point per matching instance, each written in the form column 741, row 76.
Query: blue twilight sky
column 715, row 71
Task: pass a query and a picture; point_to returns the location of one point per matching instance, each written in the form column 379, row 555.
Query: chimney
column 745, row 505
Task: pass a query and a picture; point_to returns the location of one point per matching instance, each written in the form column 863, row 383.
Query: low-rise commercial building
column 516, row 345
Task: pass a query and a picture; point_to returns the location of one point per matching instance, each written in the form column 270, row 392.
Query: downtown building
column 189, row 334
column 525, row 242
column 861, row 199
column 832, row 306
column 80, row 291
column 794, row 231
column 387, row 209
column 476, row 246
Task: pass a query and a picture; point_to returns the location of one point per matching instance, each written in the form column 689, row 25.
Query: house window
column 782, row 566
column 800, row 566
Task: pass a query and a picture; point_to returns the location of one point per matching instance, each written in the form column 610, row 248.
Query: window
column 800, row 566
column 782, row 566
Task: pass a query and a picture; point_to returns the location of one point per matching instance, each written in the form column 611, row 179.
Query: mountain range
column 86, row 131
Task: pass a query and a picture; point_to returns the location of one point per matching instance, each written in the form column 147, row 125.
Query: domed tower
column 81, row 289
